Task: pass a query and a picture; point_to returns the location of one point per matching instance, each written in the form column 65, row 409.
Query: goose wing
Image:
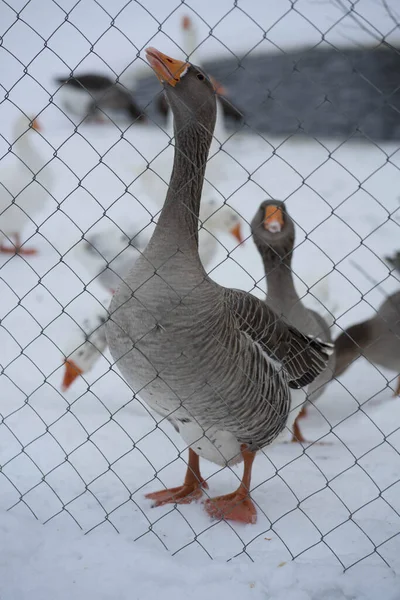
column 303, row 357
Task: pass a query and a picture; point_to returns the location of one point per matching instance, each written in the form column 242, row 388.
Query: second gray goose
column 216, row 362
column 274, row 236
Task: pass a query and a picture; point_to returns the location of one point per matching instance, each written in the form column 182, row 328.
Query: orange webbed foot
column 183, row 494
column 233, row 507
column 17, row 250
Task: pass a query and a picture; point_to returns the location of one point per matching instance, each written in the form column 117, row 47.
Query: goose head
column 24, row 125
column 189, row 91
column 83, row 359
column 221, row 218
column 273, row 231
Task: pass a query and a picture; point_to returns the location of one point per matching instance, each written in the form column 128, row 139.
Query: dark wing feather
column 302, row 356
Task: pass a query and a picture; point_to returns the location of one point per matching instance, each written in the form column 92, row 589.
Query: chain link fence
column 77, row 446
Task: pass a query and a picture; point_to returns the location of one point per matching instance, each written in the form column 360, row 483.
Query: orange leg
column 16, row 248
column 297, row 435
column 303, row 413
column 186, row 493
column 397, row 391
column 237, row 506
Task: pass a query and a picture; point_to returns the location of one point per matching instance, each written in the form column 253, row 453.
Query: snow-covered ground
column 85, row 458
column 45, row 563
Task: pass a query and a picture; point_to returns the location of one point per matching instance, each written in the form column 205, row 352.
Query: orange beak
column 72, row 371
column 237, row 233
column 273, row 219
column 186, row 22
column 35, row 125
column 166, row 68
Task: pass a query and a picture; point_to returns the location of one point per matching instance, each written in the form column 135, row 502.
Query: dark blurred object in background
column 91, row 96
column 330, row 93
column 394, row 261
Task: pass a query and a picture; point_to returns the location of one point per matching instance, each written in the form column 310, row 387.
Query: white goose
column 24, row 187
column 85, row 356
column 107, row 256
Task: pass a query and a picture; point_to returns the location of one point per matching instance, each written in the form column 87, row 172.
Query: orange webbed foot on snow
column 233, row 507
column 192, row 488
column 183, row 494
column 237, row 506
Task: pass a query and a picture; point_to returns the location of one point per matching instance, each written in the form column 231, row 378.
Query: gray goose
column 216, row 362
column 191, row 46
column 377, row 339
column 274, row 236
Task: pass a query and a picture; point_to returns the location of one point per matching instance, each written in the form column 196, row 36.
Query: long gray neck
column 178, row 223
column 282, row 295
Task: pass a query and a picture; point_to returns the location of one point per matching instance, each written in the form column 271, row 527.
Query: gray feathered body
column 309, row 322
column 185, row 355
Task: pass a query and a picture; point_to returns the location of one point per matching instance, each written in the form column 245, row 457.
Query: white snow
column 86, row 458
column 47, row 563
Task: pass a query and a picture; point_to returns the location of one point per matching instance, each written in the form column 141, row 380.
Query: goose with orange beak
column 215, row 362
column 191, row 47
column 215, row 218
column 25, row 187
column 86, row 355
column 273, row 233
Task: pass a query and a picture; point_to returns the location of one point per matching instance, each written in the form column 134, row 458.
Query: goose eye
column 200, row 76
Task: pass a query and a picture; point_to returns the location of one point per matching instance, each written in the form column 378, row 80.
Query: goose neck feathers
column 194, row 108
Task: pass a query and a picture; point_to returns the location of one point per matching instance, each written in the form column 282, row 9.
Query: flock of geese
column 231, row 372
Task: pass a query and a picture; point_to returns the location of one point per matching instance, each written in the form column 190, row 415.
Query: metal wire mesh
column 87, row 455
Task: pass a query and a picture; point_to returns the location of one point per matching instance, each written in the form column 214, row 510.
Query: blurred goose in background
column 25, row 186
column 85, row 356
column 377, row 339
column 216, row 362
column 274, row 236
column 107, row 255
column 214, row 220
column 91, row 95
column 191, row 47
